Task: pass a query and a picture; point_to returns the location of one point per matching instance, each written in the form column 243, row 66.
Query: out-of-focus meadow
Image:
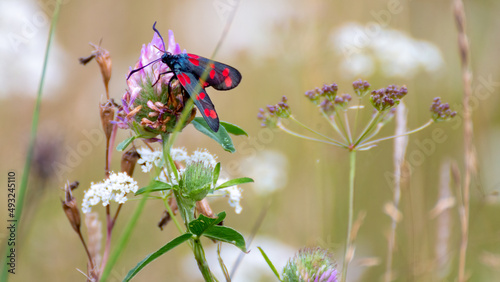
column 281, row 48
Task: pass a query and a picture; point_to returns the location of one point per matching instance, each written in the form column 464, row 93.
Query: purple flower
column 441, row 111
column 149, row 101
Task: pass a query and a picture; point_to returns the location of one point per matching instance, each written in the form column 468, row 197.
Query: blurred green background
column 281, row 48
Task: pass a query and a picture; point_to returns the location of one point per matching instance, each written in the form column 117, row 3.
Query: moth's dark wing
column 220, row 76
column 192, row 85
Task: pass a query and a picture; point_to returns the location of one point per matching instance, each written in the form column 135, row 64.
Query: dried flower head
column 387, row 98
column 440, row 111
column 70, row 206
column 107, row 113
column 310, row 265
column 115, row 188
column 129, row 159
column 103, row 59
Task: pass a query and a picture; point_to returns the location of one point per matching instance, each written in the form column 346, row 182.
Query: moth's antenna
column 159, row 49
column 136, row 70
column 154, row 28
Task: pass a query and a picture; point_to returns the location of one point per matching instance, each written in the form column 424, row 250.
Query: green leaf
column 169, row 246
column 124, row 144
column 216, row 174
column 236, row 181
column 226, row 234
column 233, row 129
column 154, row 186
column 271, row 265
column 202, row 223
column 222, row 137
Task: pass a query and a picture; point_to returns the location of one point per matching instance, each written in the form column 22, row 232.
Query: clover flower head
column 151, row 102
column 441, row 111
column 310, row 265
column 115, row 188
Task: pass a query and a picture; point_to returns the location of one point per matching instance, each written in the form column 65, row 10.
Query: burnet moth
column 195, row 73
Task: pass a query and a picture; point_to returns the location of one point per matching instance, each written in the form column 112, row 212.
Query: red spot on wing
column 194, row 61
column 212, row 74
column 225, row 72
column 193, row 56
column 183, row 79
column 210, row 113
column 228, row 81
column 212, row 65
column 201, row 96
column 213, row 114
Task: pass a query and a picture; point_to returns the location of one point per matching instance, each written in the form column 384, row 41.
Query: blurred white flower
column 202, row 155
column 115, row 188
column 269, row 169
column 179, row 154
column 233, row 193
column 252, row 268
column 149, row 158
column 395, row 53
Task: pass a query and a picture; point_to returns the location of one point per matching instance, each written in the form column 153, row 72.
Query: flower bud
column 196, row 181
column 441, row 111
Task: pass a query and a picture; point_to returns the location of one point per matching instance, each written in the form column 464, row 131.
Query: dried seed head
column 129, row 159
column 107, row 111
column 103, row 59
column 70, row 206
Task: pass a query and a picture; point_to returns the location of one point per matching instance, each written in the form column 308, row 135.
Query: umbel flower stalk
column 335, row 108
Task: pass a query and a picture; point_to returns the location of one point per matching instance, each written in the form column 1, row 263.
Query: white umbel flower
column 115, row 189
column 149, row 158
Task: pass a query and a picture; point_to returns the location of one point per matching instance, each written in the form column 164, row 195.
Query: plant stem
column 368, row 128
column 396, row 136
column 333, row 123
column 347, row 253
column 344, row 131
column 199, row 255
column 335, row 143
column 172, row 215
column 32, row 140
column 310, row 129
